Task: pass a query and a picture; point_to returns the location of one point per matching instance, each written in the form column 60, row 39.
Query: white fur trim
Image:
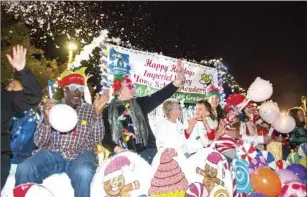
column 112, row 175
column 212, row 164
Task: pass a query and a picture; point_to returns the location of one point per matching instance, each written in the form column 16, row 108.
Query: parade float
column 254, row 172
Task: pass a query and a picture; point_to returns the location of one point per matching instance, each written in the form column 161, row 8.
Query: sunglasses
column 74, row 87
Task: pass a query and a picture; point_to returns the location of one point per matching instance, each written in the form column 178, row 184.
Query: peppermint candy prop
column 293, row 158
column 219, row 191
column 196, row 190
column 302, row 150
column 246, row 151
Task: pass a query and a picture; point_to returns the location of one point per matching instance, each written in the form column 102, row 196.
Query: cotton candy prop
column 295, row 188
column 260, row 90
column 269, row 111
column 287, row 176
column 63, row 118
column 284, row 124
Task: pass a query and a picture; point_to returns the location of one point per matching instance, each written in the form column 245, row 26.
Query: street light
column 71, row 47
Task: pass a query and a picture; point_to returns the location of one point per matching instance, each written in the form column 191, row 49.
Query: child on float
column 235, row 129
column 200, row 130
column 213, row 96
column 169, row 132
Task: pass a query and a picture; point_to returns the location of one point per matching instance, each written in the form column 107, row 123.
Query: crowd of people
column 122, row 124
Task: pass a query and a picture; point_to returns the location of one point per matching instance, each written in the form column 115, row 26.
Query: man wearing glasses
column 72, row 152
column 126, row 121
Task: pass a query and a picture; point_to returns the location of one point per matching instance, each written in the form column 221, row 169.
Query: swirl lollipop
column 196, row 190
column 219, row 191
column 240, row 168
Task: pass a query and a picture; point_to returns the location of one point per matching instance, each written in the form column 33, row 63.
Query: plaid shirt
column 89, row 132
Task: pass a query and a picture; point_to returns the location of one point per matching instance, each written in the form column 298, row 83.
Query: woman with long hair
column 299, row 134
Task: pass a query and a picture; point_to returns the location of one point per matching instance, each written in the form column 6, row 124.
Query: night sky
column 265, row 39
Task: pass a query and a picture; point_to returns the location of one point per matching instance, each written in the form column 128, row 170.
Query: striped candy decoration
column 247, row 151
column 269, row 158
column 293, row 158
column 302, row 150
column 257, row 162
column 196, row 190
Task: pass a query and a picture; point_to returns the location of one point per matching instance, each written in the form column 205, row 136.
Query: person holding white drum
column 70, row 152
column 200, row 129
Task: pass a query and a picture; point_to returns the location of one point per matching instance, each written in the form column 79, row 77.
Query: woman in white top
column 169, row 132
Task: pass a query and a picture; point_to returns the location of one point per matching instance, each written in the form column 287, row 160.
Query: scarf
column 141, row 126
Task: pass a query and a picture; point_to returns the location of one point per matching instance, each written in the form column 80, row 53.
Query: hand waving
column 178, row 82
column 100, row 102
column 18, row 58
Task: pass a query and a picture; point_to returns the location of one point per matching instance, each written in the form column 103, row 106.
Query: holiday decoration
column 287, row 176
column 246, row 151
column 303, row 162
column 210, row 168
column 260, row 90
column 269, row 111
column 281, row 164
column 196, row 190
column 240, row 169
column 295, row 188
column 266, row 181
column 284, row 124
column 31, row 190
column 302, row 150
column 276, row 149
column 257, row 162
column 121, row 175
column 298, row 170
column 293, row 158
column 168, row 180
column 219, row 191
column 63, row 118
column 269, row 158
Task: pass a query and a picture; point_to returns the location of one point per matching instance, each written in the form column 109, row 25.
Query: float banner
column 152, row 72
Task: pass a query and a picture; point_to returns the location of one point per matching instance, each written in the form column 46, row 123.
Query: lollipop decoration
column 269, row 111
column 284, row 124
column 240, row 168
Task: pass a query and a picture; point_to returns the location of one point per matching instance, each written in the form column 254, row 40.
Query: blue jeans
column 46, row 163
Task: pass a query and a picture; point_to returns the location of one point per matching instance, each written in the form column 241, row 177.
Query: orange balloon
column 265, row 181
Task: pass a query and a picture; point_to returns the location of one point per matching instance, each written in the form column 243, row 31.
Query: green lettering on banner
column 192, row 98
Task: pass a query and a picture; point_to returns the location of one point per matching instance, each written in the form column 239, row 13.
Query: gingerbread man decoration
column 210, row 171
column 114, row 181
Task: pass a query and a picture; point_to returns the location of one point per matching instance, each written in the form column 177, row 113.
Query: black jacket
column 148, row 104
column 14, row 102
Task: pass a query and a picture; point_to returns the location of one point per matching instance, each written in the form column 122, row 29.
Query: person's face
column 74, row 94
column 300, row 116
column 250, row 110
column 214, row 101
column 201, row 110
column 127, row 91
column 176, row 111
column 14, row 85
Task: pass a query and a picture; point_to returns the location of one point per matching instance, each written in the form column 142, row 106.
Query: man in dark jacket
column 125, row 119
column 15, row 99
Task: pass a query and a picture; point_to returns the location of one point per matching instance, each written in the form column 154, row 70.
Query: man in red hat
column 71, row 152
column 126, row 120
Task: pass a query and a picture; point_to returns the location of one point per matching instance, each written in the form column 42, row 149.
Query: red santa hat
column 116, row 167
column 214, row 159
column 72, row 79
column 236, row 100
